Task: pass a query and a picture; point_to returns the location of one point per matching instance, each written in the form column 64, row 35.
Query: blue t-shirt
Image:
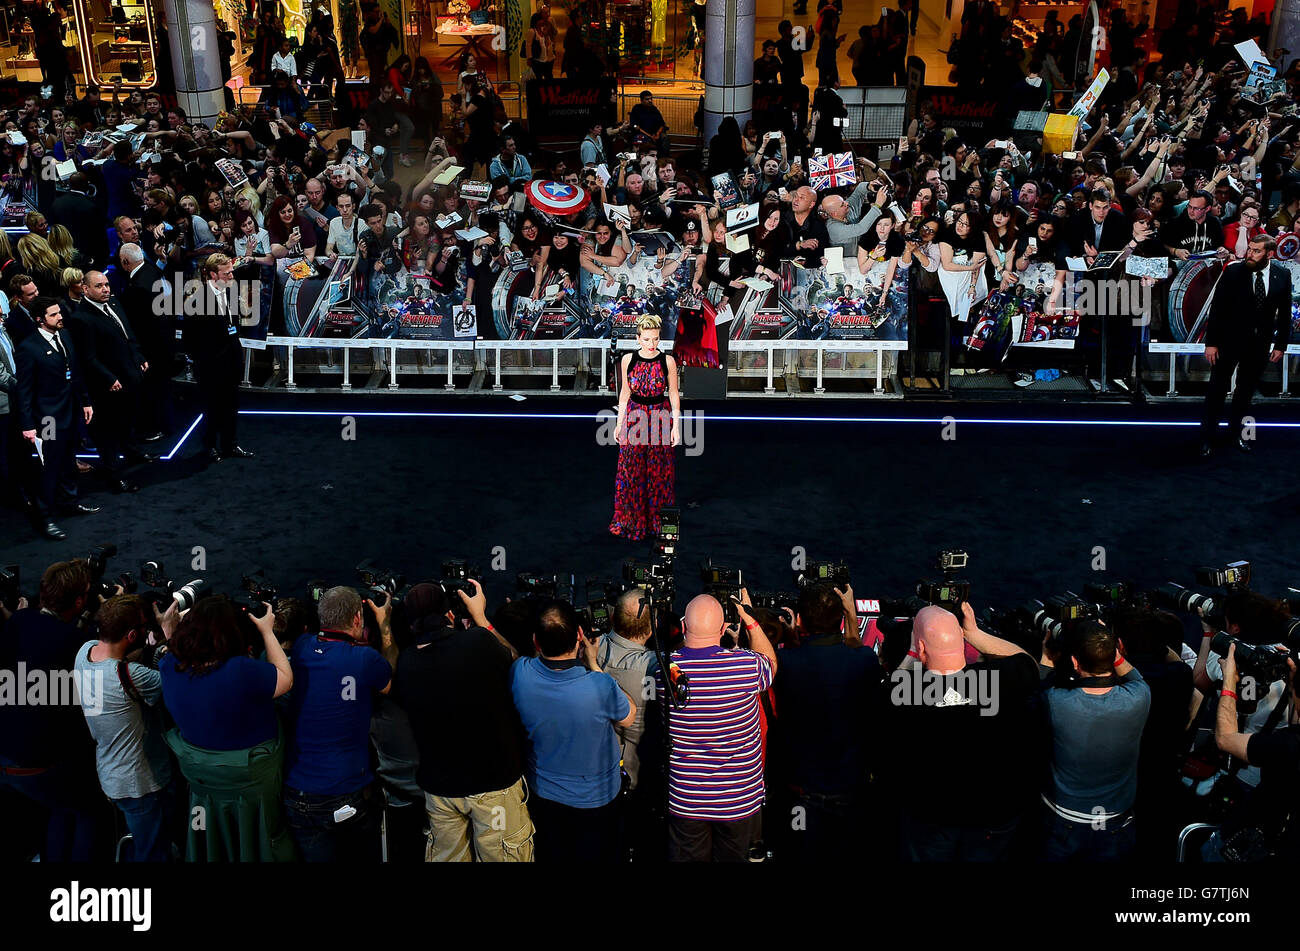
column 569, row 716
column 1095, row 743
column 328, row 716
column 231, row 707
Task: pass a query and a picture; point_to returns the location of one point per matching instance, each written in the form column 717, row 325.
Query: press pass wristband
column 1229, row 693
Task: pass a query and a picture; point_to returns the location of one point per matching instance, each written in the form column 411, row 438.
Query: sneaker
column 406, row 161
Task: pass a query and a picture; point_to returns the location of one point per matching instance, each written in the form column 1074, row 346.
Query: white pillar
column 728, row 62
column 192, row 27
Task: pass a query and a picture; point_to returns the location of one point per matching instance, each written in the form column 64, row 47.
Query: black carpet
column 1035, row 505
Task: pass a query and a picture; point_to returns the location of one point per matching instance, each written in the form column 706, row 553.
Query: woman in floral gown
column 649, row 426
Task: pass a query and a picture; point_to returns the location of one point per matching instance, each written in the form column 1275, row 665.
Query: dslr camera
column 186, row 595
column 948, row 593
column 724, row 584
column 833, row 573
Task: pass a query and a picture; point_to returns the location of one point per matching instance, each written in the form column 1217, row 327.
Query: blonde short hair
column 648, row 322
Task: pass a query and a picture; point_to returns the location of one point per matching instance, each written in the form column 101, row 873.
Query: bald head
column 96, row 287
column 939, row 640
column 804, row 199
column 704, row 620
column 834, row 206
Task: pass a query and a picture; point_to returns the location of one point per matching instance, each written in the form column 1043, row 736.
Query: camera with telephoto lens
column 1265, row 662
column 10, row 577
column 185, row 595
column 1177, row 598
column 1051, row 616
column 949, row 593
column 1232, row 577
column 833, row 573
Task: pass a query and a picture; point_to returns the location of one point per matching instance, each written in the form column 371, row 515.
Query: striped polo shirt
column 715, row 772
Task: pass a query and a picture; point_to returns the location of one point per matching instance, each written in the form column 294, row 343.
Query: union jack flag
column 832, row 171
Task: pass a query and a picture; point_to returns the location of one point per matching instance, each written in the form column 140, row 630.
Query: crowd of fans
column 1175, row 160
column 234, row 730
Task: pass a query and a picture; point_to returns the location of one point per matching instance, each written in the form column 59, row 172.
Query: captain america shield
column 557, row 198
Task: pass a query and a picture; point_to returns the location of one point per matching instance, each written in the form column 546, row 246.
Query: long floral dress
column 644, row 482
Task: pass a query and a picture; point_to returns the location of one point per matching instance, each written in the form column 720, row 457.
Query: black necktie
column 1260, row 293
column 58, row 345
column 108, row 310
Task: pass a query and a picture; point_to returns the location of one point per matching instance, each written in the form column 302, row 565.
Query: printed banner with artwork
column 352, row 299
column 839, row 304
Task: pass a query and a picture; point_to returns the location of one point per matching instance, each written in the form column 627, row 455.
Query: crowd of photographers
column 405, row 723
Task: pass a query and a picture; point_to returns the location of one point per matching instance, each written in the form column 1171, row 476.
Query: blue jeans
column 929, row 842
column 320, row 838
column 1066, row 841
column 147, row 819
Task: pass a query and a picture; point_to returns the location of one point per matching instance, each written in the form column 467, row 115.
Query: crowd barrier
column 486, row 362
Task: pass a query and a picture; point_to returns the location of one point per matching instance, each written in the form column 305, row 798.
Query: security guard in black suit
column 1250, row 326
column 212, row 340
column 51, row 395
column 113, row 367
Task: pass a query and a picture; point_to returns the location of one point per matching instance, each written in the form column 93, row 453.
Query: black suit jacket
column 207, row 337
column 107, row 356
column 43, row 386
column 19, row 323
column 1115, row 233
column 153, row 331
column 79, row 215
column 1237, row 323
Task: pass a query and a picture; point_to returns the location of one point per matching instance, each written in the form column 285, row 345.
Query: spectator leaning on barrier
column 330, row 802
column 454, row 683
column 569, row 708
